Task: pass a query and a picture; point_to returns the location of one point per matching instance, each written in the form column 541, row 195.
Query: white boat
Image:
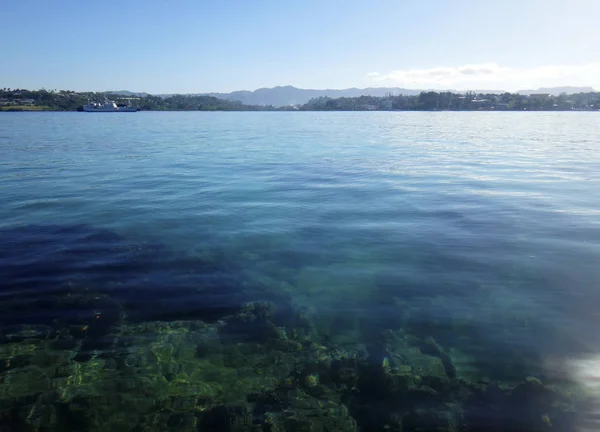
column 108, row 106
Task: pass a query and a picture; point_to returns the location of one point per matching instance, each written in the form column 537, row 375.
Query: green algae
column 186, row 375
column 270, row 366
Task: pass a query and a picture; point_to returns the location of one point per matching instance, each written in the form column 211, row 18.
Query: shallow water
column 475, row 232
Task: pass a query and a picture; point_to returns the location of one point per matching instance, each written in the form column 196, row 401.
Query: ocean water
column 156, row 268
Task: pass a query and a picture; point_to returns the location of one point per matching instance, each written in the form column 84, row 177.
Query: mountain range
column 289, row 95
column 555, row 91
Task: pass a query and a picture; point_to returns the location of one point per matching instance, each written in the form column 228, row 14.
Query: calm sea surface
column 464, row 246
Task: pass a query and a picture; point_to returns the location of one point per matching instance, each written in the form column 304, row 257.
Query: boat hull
column 119, row 109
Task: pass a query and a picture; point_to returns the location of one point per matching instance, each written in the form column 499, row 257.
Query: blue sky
column 224, row 45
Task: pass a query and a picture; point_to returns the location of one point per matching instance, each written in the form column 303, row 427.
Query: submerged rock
column 98, row 363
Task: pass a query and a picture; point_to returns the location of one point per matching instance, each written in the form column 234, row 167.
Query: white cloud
column 493, row 76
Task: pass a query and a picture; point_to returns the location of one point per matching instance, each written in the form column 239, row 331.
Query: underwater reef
column 103, row 333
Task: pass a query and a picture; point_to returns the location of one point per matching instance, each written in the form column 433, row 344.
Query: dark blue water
column 458, row 246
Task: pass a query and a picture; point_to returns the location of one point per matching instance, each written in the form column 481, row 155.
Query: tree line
column 448, row 101
column 65, row 100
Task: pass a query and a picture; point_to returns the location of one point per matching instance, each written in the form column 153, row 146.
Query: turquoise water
column 456, row 246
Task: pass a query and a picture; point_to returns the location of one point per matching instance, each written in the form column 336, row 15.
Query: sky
column 193, row 46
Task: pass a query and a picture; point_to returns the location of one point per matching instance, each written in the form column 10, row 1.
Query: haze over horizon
column 202, row 47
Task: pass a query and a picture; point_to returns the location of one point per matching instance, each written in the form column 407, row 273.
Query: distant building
column 386, row 104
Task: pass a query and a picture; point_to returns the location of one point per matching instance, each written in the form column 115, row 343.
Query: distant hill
column 555, row 91
column 288, row 95
column 127, row 93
